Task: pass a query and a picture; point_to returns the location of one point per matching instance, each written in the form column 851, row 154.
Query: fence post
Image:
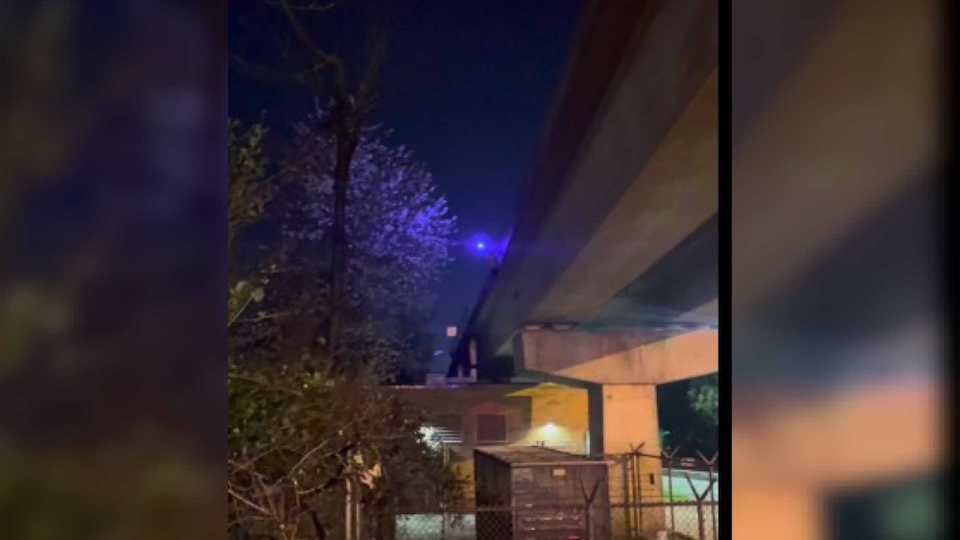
column 627, row 508
column 713, row 506
column 587, row 503
column 701, row 536
column 348, row 511
column 443, row 521
column 639, row 475
column 669, row 458
column 357, row 531
column 637, row 484
column 588, row 533
column 699, row 497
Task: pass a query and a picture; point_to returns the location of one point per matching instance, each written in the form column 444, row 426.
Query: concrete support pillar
column 621, row 373
column 629, row 419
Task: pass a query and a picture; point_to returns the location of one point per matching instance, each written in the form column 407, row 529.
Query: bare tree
column 352, row 94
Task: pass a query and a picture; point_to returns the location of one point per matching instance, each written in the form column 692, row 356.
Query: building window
column 448, row 429
column 491, row 428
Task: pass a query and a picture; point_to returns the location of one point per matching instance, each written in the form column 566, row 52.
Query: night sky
column 467, row 86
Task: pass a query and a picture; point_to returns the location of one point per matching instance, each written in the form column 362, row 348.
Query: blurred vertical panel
column 837, row 328
column 112, row 269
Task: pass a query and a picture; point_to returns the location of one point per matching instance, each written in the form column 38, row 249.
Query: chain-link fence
column 495, row 523
column 682, row 520
column 664, row 520
column 658, row 495
column 650, row 498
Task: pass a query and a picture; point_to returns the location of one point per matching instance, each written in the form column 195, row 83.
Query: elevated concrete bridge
column 610, row 277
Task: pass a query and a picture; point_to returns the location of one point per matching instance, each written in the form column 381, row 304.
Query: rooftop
column 535, row 455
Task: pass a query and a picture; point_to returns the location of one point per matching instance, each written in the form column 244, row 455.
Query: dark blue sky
column 467, row 86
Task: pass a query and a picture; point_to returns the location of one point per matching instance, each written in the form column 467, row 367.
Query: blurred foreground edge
column 838, row 394
column 112, row 269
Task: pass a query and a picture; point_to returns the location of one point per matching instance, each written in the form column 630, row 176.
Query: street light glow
column 480, row 244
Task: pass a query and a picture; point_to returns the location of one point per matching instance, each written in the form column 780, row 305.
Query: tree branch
column 250, row 463
column 265, row 384
column 270, row 74
column 240, row 310
column 304, row 459
column 366, row 94
column 266, row 494
column 266, row 317
column 248, row 502
column 242, row 519
column 324, row 59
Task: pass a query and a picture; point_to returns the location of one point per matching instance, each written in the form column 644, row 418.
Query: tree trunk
column 346, row 146
column 319, row 531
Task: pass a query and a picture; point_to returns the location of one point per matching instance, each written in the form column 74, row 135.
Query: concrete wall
column 559, row 418
column 554, row 414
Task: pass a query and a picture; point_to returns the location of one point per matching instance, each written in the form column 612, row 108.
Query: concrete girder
column 617, row 358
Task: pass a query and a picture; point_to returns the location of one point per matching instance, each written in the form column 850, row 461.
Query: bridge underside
column 617, row 238
column 618, row 226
